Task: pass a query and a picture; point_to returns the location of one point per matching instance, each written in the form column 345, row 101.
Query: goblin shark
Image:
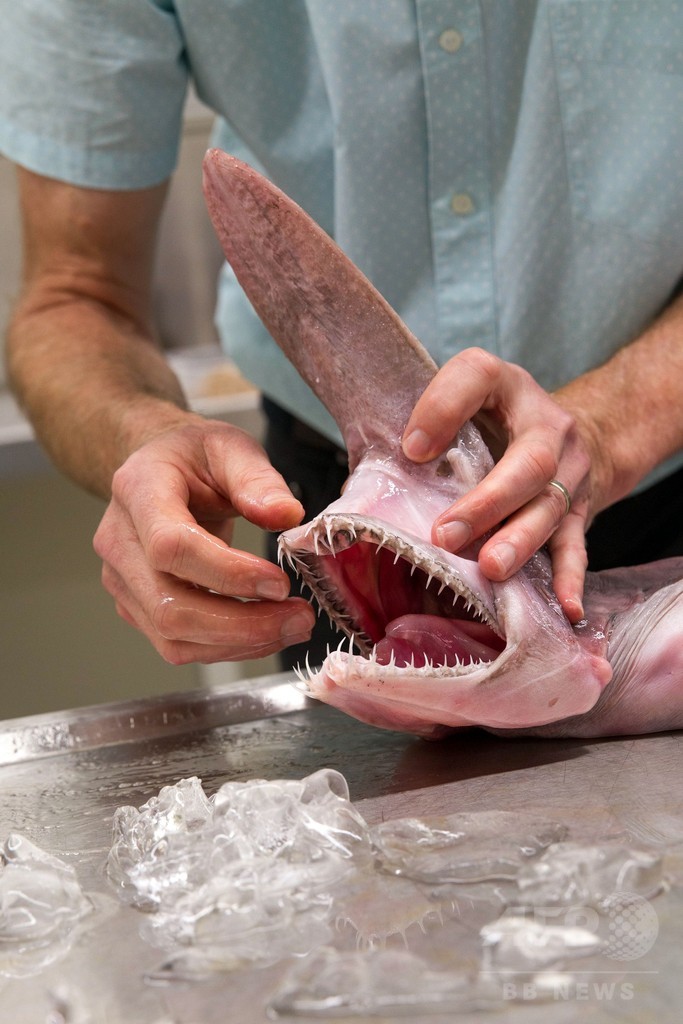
column 432, row 644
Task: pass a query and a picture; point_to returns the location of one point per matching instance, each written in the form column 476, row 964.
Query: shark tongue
column 430, row 638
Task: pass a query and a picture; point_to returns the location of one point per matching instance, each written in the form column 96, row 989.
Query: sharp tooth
column 330, row 540
column 398, row 555
column 441, row 589
column 315, row 544
column 348, row 668
column 429, row 580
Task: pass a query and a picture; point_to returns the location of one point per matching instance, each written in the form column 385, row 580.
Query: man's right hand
column 112, row 415
column 165, row 544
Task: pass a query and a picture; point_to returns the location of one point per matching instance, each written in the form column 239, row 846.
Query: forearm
column 630, row 410
column 92, row 383
column 80, row 349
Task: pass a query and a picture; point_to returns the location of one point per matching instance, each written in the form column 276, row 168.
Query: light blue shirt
column 509, row 173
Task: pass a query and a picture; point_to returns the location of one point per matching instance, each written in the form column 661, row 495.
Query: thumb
column 270, row 504
column 255, row 488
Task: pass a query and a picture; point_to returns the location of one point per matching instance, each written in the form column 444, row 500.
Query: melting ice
column 469, row 847
column 247, row 875
column 266, row 870
column 41, row 903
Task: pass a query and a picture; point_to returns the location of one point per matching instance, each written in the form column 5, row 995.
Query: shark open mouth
column 400, row 605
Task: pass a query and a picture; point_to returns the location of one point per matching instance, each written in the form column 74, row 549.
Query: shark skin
column 432, row 644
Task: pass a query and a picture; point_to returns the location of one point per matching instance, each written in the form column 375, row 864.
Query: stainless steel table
column 63, row 775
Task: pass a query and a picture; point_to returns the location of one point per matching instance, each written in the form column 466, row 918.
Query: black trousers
column 642, row 528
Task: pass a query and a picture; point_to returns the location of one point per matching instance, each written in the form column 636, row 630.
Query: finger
column 174, row 543
column 241, row 469
column 524, row 533
column 127, row 616
column 183, row 652
column 179, row 652
column 463, row 386
column 185, row 551
column 177, row 617
column 567, row 548
column 529, row 464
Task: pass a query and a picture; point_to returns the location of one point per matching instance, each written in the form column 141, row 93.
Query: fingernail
column 453, row 536
column 505, row 555
column 417, row 445
column 297, row 625
column 574, row 610
column 272, row 590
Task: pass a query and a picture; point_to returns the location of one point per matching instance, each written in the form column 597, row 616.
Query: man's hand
column 164, row 542
column 542, row 442
column 598, row 436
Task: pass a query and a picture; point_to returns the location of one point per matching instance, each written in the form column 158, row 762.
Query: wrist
column 613, row 425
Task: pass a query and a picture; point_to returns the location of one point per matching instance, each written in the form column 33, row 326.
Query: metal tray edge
column 99, row 725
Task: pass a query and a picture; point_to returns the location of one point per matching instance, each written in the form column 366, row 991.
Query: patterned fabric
column 507, row 174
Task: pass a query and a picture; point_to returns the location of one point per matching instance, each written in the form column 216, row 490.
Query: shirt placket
column 459, row 185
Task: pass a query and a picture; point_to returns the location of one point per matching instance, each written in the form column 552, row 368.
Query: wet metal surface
column 63, row 775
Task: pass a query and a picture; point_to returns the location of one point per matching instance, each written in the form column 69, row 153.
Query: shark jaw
column 403, row 603
column 430, row 644
column 414, row 617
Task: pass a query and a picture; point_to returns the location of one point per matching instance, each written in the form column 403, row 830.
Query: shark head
column 432, row 644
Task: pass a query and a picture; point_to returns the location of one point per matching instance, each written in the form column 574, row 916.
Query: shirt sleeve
column 92, row 91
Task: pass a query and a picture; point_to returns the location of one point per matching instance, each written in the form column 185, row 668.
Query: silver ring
column 565, row 494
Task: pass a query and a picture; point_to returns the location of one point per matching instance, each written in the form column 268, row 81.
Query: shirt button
column 450, row 40
column 462, row 204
